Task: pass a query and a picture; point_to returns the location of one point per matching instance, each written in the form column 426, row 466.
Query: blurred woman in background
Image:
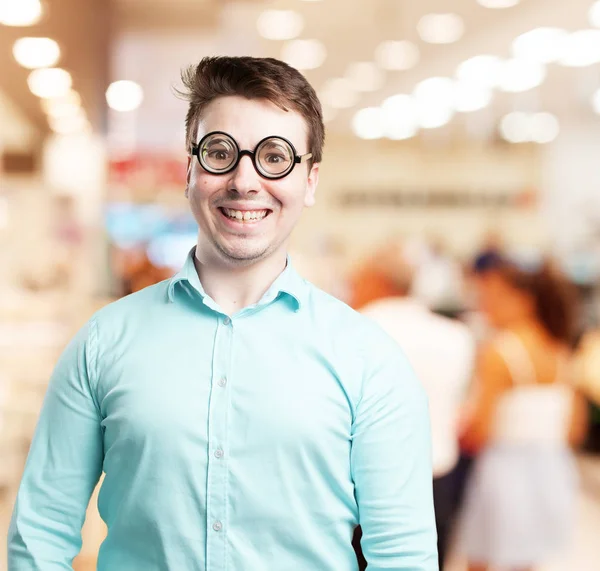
column 525, row 419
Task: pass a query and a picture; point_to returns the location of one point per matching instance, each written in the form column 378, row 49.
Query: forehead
column 249, row 121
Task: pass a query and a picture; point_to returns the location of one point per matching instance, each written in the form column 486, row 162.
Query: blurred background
column 453, row 127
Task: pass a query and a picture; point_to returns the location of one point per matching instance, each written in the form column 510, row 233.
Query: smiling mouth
column 245, row 216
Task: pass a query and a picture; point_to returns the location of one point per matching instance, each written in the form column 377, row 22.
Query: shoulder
column 358, row 332
column 368, row 359
column 492, row 366
column 138, row 303
column 131, row 313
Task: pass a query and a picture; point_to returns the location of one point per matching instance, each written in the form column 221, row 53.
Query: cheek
column 291, row 194
column 201, row 190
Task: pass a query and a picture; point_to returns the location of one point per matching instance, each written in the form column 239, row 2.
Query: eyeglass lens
column 219, row 153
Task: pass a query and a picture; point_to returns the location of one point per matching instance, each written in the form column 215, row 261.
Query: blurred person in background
column 587, row 364
column 242, row 417
column 368, row 283
column 441, row 351
column 135, row 271
column 438, row 279
column 524, row 419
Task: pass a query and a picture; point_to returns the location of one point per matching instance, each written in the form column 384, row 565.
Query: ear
column 311, row 185
column 187, row 177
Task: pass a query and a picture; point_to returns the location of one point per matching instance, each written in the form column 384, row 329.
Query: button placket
column 216, row 505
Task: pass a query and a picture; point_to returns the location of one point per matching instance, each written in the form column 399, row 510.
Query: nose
column 244, row 179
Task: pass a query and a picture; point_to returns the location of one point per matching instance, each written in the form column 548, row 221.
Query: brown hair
column 556, row 299
column 253, row 78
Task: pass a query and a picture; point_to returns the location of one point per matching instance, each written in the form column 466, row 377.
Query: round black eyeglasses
column 273, row 157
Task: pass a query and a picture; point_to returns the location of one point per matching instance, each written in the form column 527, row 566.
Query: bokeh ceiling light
column 435, row 92
column 124, row 95
column 20, row 12
column 519, row 75
column 441, row 28
column 339, row 93
column 69, row 125
column 544, row 128
column 59, row 110
column 434, row 102
column 431, row 117
column 400, row 117
column 498, row 4
column 594, row 14
column 518, row 127
column 542, row 45
column 71, row 98
column 514, row 127
column 484, row 70
column 304, row 54
column 365, row 76
column 471, row 97
column 280, row 24
column 401, row 131
column 368, row 123
column 34, row 53
column 397, row 55
column 49, row 82
column 580, row 49
column 596, row 102
column 400, row 105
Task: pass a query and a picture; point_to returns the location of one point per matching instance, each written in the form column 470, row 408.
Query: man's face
column 274, row 206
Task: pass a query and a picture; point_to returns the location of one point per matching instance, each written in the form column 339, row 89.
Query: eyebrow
column 221, row 140
column 280, row 144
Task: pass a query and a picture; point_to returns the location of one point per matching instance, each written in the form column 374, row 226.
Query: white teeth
column 245, row 215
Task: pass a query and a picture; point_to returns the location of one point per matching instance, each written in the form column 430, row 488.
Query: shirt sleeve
column 62, row 468
column 392, row 470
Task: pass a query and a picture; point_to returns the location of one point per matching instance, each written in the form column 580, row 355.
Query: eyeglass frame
column 298, row 159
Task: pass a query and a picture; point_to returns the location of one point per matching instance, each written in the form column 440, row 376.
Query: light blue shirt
column 255, row 442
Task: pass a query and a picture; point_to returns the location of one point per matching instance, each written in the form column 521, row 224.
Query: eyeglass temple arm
column 303, row 158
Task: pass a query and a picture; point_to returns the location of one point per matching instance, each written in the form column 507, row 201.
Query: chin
column 243, row 256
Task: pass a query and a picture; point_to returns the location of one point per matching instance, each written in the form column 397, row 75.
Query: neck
column 234, row 288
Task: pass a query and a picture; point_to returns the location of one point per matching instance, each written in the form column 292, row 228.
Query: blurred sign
column 423, row 198
column 146, row 174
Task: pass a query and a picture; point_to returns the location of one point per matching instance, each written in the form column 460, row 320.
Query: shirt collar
column 289, row 283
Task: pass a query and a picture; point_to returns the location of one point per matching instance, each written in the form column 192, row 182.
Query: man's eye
column 274, row 159
column 218, row 155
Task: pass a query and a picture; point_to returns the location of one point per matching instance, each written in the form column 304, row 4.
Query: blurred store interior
column 452, row 126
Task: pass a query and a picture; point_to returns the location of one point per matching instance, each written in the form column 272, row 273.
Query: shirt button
column 222, row 382
column 217, row 526
column 227, row 321
column 219, row 453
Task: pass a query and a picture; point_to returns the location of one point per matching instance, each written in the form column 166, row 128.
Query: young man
column 244, row 420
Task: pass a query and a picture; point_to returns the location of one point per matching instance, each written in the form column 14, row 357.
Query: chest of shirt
column 185, row 391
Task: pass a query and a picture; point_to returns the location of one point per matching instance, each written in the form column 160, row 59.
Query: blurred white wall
column 353, row 165
column 571, row 184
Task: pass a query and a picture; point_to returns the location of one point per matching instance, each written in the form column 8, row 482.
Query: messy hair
column 253, row 78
